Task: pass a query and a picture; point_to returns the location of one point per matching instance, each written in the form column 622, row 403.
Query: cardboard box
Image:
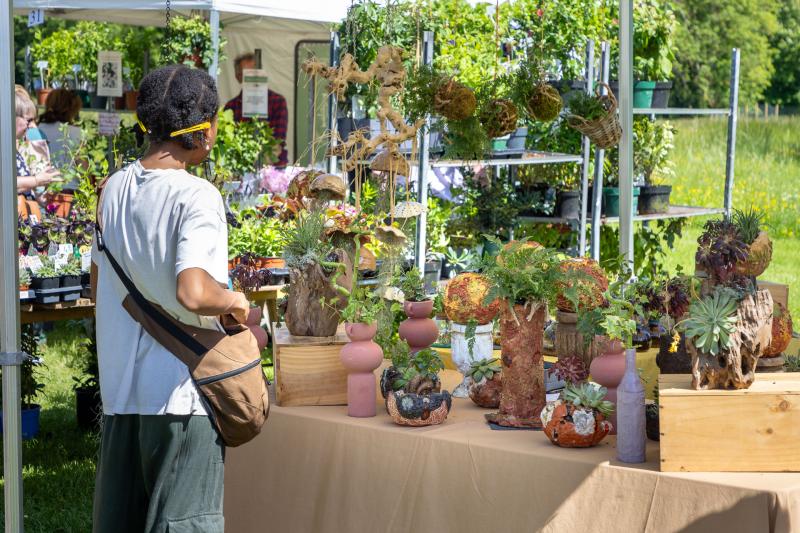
column 749, row 430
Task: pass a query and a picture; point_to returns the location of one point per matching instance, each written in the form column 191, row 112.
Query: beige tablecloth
column 313, row 469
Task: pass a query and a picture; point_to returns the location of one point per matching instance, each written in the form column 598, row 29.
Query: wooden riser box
column 308, row 370
column 751, row 430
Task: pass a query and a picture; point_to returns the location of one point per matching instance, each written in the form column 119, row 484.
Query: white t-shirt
column 156, row 223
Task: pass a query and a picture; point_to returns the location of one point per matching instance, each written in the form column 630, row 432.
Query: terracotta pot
column 486, row 393
column 419, row 331
column 119, row 102
column 63, row 204
column 272, row 262
column 361, row 356
column 42, row 94
column 607, row 369
column 523, row 394
column 408, row 409
column 130, row 99
column 573, row 427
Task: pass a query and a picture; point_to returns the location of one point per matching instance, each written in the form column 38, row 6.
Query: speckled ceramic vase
column 631, row 435
column 419, row 330
column 607, row 369
column 361, row 356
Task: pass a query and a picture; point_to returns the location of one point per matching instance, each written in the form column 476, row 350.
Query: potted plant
column 729, row 249
column 30, row 386
column 472, row 326
column 486, row 382
column 611, row 192
column 46, row 277
column 190, row 43
column 457, row 261
column 587, row 292
column 781, row 332
column 71, row 273
column 412, row 388
column 654, row 28
column 759, row 246
column 498, row 117
column 578, row 419
column 24, row 280
column 361, row 356
column 568, row 197
column 652, row 165
column 524, row 276
column 596, row 117
column 651, row 417
column 419, row 330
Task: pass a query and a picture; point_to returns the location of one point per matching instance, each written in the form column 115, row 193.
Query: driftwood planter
column 523, row 394
column 735, row 367
column 306, row 315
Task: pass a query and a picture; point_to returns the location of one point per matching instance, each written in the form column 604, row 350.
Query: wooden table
column 30, row 313
column 267, row 298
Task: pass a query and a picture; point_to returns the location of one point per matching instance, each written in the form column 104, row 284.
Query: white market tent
column 276, row 27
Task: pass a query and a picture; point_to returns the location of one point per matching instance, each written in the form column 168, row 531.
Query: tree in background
column 707, row 31
column 785, row 86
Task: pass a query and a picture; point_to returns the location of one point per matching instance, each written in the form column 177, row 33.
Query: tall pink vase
column 607, row 369
column 420, row 330
column 361, row 356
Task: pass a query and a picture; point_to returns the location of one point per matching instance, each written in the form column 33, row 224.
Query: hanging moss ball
column 455, row 101
column 590, row 285
column 499, row 117
column 545, row 103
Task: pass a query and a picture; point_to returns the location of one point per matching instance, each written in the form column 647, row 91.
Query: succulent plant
column 677, row 303
column 571, row 369
column 24, row 278
column 748, row 223
column 793, row 363
column 485, row 368
column 587, row 395
column 712, row 321
column 47, row 270
column 720, row 249
column 72, row 268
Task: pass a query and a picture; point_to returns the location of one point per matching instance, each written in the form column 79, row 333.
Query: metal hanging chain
column 167, row 32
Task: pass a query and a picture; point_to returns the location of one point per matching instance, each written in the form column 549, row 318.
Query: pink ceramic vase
column 420, row 330
column 607, row 369
column 361, row 356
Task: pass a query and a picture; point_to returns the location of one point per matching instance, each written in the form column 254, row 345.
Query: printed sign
column 109, row 74
column 86, row 261
column 255, row 93
column 34, row 263
column 108, row 123
column 35, row 17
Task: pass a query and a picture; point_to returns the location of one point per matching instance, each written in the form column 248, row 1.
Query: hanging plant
column 545, row 102
column 454, row 100
column 499, row 117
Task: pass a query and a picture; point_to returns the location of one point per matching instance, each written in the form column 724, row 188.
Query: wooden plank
column 752, row 430
column 284, row 338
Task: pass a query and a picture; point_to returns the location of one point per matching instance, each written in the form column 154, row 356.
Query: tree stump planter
column 734, row 367
column 306, row 316
column 523, row 394
column 569, row 341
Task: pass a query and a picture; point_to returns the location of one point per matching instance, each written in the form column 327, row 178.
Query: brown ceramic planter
column 419, row 331
column 407, row 409
column 42, row 94
column 130, row 100
column 573, row 427
column 486, row 393
column 679, row 362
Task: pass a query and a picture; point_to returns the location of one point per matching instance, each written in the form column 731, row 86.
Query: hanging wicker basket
column 605, row 132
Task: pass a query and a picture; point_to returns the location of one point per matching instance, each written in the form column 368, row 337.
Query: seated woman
column 28, row 178
column 57, row 125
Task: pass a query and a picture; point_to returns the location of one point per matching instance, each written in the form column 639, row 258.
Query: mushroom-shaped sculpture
column 390, row 235
column 408, row 209
column 327, row 187
column 391, row 161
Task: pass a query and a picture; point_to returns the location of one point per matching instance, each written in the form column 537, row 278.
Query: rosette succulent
column 588, row 395
column 712, row 321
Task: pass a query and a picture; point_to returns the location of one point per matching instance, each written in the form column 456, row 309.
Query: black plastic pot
column 679, row 362
column 86, row 279
column 98, row 102
column 568, row 204
column 661, row 94
column 70, row 281
column 88, row 408
column 39, row 284
column 654, row 199
column 652, row 425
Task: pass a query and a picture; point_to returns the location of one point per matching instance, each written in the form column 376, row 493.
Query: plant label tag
column 108, row 123
column 34, row 263
column 66, row 249
column 255, row 93
column 34, row 220
column 86, row 261
column 35, row 17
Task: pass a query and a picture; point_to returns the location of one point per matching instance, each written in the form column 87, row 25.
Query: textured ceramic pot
column 486, row 393
column 523, row 394
column 482, row 348
column 607, row 369
column 361, row 356
column 419, row 330
column 407, row 409
column 573, row 427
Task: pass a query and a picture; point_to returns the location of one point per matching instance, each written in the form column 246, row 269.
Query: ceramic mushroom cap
column 390, row 161
column 328, row 187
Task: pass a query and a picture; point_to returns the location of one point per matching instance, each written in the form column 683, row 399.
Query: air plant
column 748, row 223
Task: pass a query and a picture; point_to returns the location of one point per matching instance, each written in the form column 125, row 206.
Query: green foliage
column 425, row 363
column 654, row 142
column 466, row 139
column 748, row 223
column 72, row 268
column 654, row 26
column 413, row 286
column 490, row 205
column 303, row 243
column 59, row 49
column 30, row 385
column 652, row 245
column 239, row 147
column 256, row 233
column 438, row 216
column 190, row 43
column 48, row 269
column 485, row 368
column 24, row 278
column 784, row 86
column 469, row 334
column 707, row 31
column 88, row 164
column 793, row 363
column 616, row 320
column 712, row 321
column 363, row 306
column 587, row 395
column 587, row 106
column 524, row 274
column 422, row 83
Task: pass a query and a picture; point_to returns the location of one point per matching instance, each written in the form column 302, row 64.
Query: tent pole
column 587, row 154
column 626, row 120
column 213, row 21
column 730, row 158
column 333, row 105
column 599, row 160
column 10, row 357
column 422, row 169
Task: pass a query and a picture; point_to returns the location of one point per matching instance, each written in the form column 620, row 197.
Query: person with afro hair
column 161, row 459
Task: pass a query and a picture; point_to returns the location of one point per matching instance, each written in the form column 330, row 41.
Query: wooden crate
column 779, row 291
column 308, row 370
column 752, row 430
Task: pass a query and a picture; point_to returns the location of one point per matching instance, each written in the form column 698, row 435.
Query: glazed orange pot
column 573, row 427
column 42, row 94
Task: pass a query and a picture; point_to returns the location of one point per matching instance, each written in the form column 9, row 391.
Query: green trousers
column 159, row 474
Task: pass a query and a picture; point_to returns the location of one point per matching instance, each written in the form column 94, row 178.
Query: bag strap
column 151, row 310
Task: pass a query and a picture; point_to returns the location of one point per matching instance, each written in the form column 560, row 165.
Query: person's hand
column 48, row 176
column 239, row 308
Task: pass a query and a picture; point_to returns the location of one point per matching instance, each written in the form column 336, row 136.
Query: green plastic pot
column 611, row 201
column 643, row 94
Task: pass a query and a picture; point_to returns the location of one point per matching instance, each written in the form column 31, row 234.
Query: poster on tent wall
column 255, row 93
column 109, row 74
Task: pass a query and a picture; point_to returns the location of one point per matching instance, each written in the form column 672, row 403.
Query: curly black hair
column 175, row 97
